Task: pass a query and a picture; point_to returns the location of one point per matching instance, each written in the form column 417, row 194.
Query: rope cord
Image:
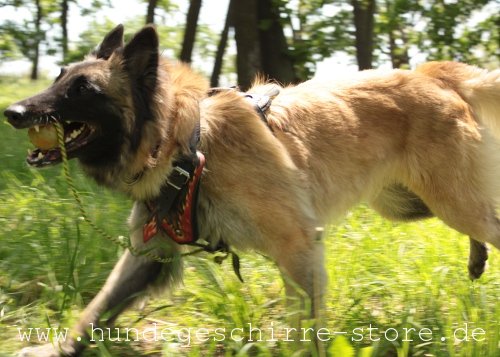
column 116, row 240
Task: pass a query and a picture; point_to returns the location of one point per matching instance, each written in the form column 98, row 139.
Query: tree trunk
column 246, row 33
column 275, row 59
column 399, row 56
column 190, row 32
column 38, row 34
column 221, row 47
column 150, row 16
column 64, row 26
column 364, row 11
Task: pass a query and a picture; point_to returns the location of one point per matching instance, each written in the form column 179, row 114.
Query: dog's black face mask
column 95, row 127
column 91, row 125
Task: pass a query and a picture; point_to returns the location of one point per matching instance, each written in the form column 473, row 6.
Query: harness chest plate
column 174, row 210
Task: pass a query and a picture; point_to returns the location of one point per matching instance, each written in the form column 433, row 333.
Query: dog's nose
column 15, row 113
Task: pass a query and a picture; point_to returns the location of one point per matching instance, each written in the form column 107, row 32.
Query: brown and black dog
column 411, row 143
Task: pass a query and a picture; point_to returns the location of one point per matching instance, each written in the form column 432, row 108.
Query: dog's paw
column 477, row 266
column 477, row 259
column 476, row 270
column 47, row 350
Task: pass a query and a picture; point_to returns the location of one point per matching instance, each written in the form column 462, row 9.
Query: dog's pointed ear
column 141, row 54
column 112, row 41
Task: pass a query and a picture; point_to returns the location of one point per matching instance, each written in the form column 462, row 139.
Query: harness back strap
column 260, row 102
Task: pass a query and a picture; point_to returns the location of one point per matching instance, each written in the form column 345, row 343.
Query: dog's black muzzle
column 31, row 111
column 17, row 116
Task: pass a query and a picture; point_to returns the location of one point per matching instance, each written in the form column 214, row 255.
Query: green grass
column 388, row 275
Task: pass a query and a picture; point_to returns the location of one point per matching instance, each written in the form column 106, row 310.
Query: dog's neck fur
column 175, row 108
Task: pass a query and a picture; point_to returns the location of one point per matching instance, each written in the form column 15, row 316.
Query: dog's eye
column 82, row 86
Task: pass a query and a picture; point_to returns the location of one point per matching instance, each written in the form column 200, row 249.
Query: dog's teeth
column 40, row 156
column 37, row 128
column 67, row 140
column 74, row 134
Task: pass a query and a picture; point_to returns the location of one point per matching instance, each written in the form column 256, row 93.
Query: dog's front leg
column 130, row 276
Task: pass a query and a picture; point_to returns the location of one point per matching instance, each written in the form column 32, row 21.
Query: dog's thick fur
column 411, row 143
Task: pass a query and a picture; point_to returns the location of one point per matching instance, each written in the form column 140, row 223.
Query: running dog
column 261, row 170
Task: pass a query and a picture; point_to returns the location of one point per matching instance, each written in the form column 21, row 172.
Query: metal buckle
column 181, row 174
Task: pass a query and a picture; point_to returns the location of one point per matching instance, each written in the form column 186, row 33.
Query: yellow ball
column 45, row 138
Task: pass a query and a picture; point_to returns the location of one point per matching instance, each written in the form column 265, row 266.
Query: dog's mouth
column 47, row 151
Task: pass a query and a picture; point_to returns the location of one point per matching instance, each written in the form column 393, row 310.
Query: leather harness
column 174, row 210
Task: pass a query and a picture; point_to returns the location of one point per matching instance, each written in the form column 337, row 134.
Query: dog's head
column 104, row 104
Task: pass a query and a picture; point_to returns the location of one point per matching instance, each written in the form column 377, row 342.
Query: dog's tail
column 479, row 87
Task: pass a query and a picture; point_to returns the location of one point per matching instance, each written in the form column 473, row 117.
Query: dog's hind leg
column 462, row 205
column 396, row 202
column 478, row 255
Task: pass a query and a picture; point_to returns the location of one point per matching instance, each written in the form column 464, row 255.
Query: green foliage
column 28, row 36
column 442, row 30
column 20, row 37
column 166, row 5
column 341, row 347
column 89, row 39
column 8, row 47
column 205, row 47
column 316, row 29
column 164, row 10
column 394, row 29
column 315, row 36
column 449, row 36
column 89, row 8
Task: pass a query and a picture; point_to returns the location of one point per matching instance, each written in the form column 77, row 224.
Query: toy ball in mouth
column 43, row 137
